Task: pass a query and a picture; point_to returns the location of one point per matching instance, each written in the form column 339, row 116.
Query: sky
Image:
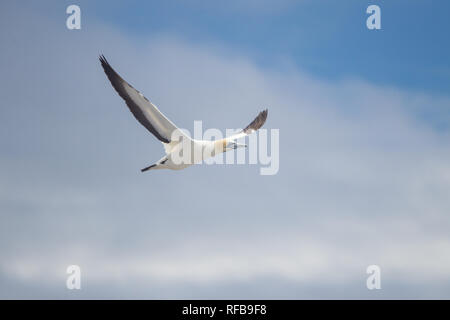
column 364, row 176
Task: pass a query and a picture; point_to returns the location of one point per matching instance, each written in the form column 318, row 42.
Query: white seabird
column 181, row 150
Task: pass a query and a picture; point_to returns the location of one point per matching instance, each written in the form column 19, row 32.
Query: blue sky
column 326, row 38
column 366, row 183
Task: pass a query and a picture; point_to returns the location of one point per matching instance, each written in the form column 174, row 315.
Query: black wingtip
column 103, row 60
column 258, row 122
column 110, row 72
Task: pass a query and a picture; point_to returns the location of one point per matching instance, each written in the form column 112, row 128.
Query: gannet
column 181, row 150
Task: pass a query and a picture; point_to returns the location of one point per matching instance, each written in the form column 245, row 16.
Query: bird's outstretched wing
column 257, row 123
column 143, row 110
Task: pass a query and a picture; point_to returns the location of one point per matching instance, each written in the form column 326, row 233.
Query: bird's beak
column 234, row 145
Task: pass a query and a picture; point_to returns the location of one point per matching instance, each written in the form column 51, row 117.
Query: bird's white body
column 181, row 150
column 190, row 151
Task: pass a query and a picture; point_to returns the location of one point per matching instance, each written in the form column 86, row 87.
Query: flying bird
column 181, row 150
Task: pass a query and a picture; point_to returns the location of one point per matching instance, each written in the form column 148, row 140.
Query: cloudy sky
column 364, row 178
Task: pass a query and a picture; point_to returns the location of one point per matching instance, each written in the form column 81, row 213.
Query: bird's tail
column 158, row 165
column 153, row 166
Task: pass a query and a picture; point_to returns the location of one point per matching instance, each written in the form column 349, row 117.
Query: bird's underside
column 181, row 150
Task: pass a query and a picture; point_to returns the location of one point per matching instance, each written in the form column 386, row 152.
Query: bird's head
column 234, row 145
